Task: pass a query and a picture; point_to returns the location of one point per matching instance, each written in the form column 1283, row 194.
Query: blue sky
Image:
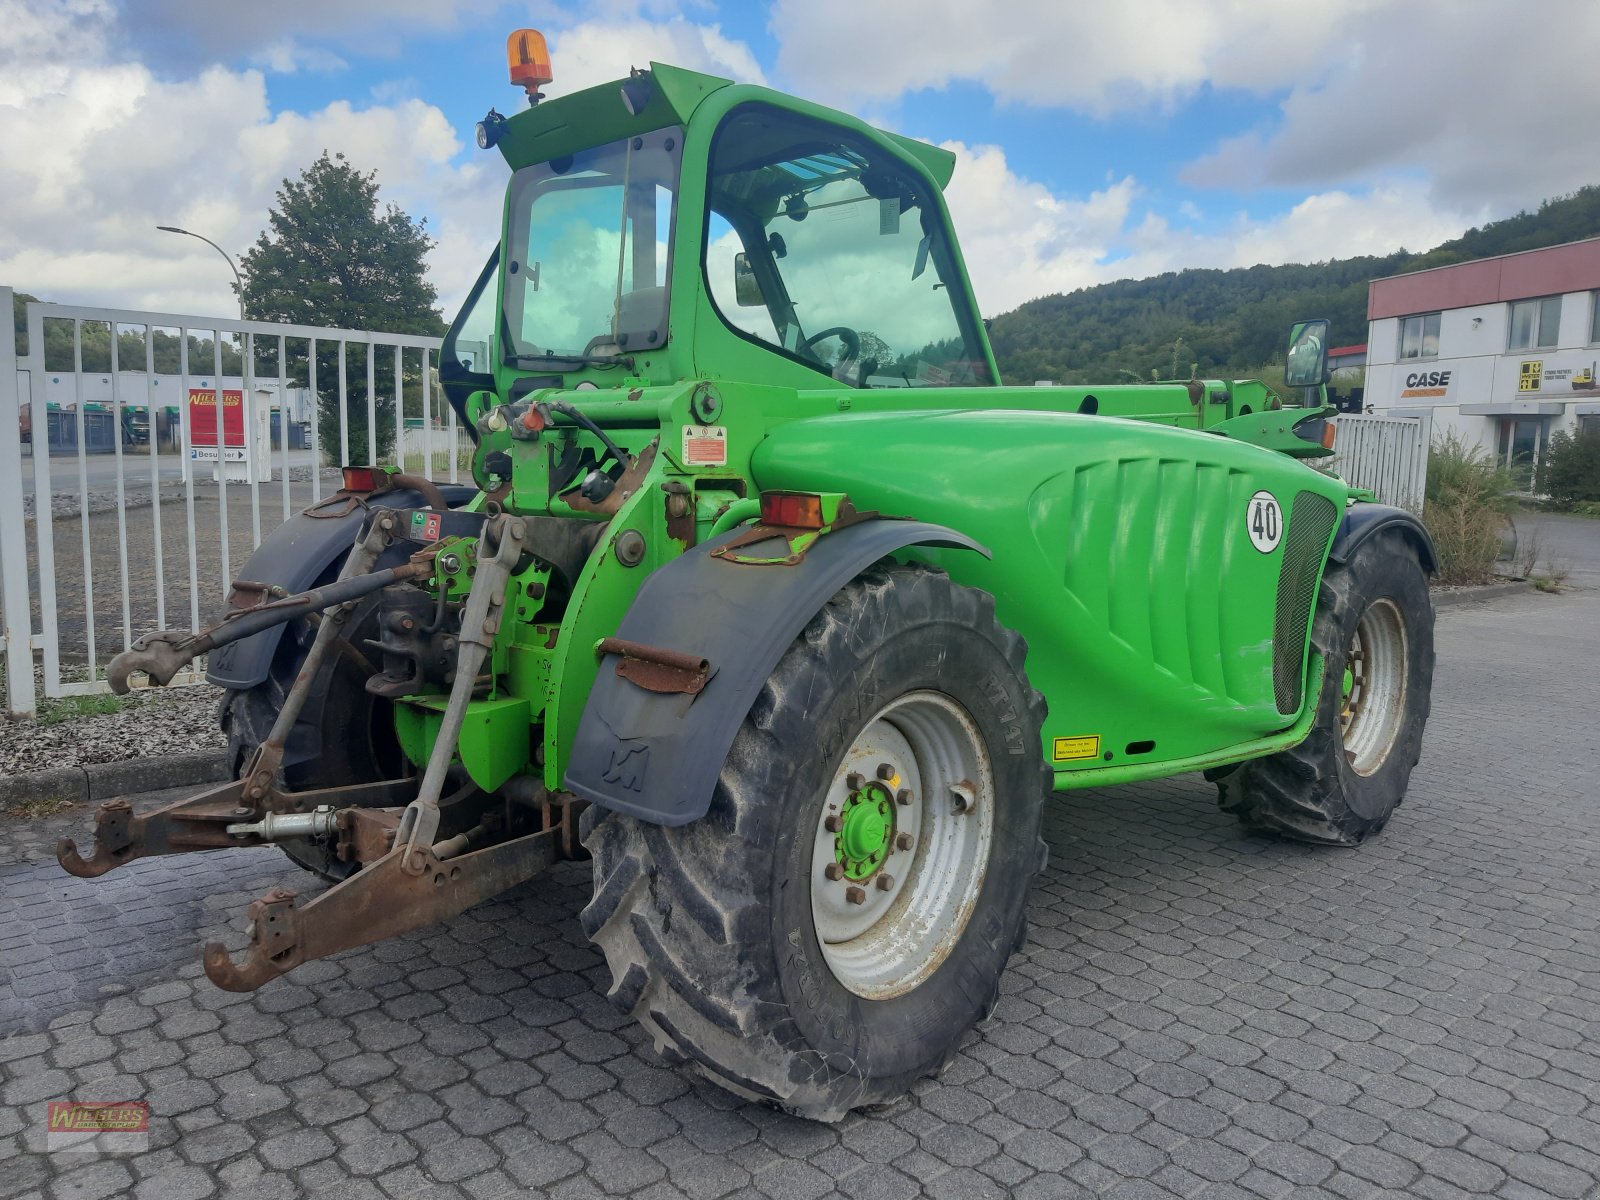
column 1094, row 142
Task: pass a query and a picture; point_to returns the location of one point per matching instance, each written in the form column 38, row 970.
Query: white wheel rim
column 883, row 932
column 1375, row 702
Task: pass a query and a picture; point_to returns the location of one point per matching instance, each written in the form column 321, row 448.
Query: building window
column 1535, row 323
column 1594, row 318
column 1520, row 446
column 1419, row 336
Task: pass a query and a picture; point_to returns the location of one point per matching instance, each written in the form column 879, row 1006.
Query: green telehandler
column 773, row 602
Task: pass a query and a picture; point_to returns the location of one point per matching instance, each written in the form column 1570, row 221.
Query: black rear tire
column 711, row 929
column 1341, row 784
column 356, row 728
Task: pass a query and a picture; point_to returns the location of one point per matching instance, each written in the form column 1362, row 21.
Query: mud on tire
column 711, row 929
column 1374, row 628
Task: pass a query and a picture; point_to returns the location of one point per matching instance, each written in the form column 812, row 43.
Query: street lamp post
column 219, row 250
column 248, row 356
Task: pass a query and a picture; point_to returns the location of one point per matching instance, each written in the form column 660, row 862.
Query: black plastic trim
column 656, row 756
column 1362, row 520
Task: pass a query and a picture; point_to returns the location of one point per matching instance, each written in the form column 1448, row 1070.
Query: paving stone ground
column 1197, row 1013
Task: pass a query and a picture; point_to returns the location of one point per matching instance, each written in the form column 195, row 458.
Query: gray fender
column 1362, row 520
column 656, row 756
column 295, row 555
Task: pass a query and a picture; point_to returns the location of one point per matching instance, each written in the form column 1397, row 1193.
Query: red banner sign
column 203, row 417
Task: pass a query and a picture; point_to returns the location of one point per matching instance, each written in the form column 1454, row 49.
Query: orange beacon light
column 529, row 59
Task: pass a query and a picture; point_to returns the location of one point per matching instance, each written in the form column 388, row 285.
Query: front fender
column 295, row 556
column 1362, row 520
column 655, row 755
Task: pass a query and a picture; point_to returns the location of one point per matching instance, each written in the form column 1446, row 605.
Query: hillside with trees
column 1234, row 322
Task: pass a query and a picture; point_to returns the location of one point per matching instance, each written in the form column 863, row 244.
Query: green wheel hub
column 867, row 831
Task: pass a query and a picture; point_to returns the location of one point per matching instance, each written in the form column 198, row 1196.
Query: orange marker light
column 792, row 510
column 529, row 59
column 1329, row 432
column 360, row 479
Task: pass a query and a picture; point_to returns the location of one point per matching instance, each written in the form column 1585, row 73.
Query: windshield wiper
column 551, row 357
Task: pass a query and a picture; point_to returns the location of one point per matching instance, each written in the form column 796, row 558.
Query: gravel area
column 148, row 723
column 66, row 503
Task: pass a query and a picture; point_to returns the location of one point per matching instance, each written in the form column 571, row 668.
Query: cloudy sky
column 1097, row 141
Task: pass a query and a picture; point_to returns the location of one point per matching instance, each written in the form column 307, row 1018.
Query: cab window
column 833, row 252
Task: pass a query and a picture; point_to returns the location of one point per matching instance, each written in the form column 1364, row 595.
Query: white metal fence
column 132, row 532
column 1389, row 455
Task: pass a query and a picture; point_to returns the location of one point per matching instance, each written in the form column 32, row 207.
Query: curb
column 101, row 781
column 1488, row 591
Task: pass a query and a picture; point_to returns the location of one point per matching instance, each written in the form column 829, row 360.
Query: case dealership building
column 1506, row 351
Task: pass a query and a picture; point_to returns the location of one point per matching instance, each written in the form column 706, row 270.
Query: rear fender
column 656, row 755
column 295, row 556
column 1362, row 520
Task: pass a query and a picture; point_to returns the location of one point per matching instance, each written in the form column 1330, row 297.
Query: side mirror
column 1307, row 362
column 746, row 287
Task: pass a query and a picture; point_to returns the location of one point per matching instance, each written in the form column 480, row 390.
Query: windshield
column 834, row 252
column 587, row 251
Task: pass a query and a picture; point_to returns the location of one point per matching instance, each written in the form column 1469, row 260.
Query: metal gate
column 147, row 532
column 1388, row 455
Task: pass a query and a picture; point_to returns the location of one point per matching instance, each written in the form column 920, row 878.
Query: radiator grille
column 1310, row 523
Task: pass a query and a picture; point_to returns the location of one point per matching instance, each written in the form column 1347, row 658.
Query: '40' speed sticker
column 1264, row 521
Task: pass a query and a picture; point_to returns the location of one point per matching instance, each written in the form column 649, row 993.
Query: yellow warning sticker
column 1070, row 749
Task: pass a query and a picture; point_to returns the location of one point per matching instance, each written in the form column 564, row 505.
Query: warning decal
column 426, row 526
column 1071, row 749
column 705, row 445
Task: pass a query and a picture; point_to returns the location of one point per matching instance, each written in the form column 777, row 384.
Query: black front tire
column 1341, row 784
column 711, row 929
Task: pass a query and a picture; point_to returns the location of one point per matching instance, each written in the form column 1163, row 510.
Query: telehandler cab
column 772, row 600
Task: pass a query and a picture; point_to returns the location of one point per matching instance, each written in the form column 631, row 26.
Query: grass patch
column 44, row 806
column 70, row 708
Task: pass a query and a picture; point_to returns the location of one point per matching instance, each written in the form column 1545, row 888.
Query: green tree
column 1570, row 472
column 19, row 319
column 334, row 256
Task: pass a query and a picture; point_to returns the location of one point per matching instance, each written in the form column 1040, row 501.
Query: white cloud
column 1095, row 57
column 1019, row 239
column 286, row 56
column 1487, row 102
column 599, row 51
column 1492, row 109
column 1022, row 241
column 99, row 152
column 100, row 148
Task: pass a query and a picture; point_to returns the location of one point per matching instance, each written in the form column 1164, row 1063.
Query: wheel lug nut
column 855, row 895
column 885, row 882
column 902, row 841
column 903, row 796
column 833, row 823
column 854, row 780
column 885, row 770
column 833, row 871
